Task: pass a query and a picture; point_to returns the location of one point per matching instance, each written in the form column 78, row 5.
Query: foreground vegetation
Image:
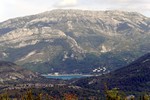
column 30, row 96
column 115, row 94
column 70, row 94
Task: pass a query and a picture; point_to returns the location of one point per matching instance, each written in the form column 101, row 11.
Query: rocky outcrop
column 60, row 38
column 12, row 73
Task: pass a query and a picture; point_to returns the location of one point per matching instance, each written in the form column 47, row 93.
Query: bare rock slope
column 75, row 41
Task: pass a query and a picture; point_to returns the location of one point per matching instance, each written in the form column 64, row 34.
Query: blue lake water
column 66, row 77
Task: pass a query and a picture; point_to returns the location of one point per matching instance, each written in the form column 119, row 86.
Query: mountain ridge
column 12, row 73
column 68, row 39
column 133, row 77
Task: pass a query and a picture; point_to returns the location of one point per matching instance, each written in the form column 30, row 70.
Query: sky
column 17, row 8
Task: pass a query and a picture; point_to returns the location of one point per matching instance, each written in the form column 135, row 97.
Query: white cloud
column 14, row 8
column 66, row 3
column 141, row 6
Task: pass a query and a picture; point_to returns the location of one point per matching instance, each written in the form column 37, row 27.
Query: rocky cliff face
column 74, row 40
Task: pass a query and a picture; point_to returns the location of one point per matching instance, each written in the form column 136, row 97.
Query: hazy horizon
column 18, row 8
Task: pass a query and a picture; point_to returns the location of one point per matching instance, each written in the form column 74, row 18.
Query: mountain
column 12, row 73
column 75, row 41
column 134, row 77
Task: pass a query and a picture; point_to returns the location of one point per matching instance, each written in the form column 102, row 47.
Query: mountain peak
column 87, row 12
column 70, row 37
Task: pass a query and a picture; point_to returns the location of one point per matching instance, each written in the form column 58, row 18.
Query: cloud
column 14, row 8
column 131, row 5
column 66, row 3
column 142, row 6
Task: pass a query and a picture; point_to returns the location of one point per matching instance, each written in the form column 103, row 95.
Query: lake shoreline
column 66, row 76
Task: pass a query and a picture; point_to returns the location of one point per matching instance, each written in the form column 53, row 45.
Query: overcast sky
column 16, row 8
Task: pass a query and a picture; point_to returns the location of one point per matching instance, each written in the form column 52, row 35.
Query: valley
column 77, row 54
column 94, row 87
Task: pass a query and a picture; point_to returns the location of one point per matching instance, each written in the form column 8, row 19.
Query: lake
column 66, row 77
